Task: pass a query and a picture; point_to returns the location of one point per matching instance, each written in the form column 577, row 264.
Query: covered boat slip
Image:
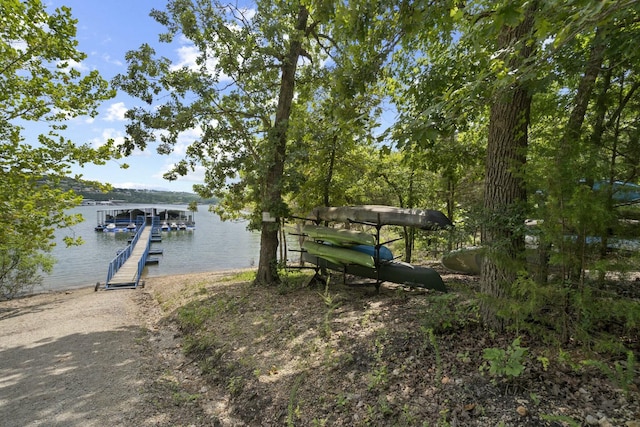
column 122, row 219
column 362, row 254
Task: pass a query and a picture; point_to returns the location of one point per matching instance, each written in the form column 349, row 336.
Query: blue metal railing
column 143, row 261
column 123, row 256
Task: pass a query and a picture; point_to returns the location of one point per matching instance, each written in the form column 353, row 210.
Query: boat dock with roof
column 146, row 224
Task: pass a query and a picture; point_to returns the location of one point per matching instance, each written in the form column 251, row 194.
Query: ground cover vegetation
column 233, row 353
column 502, row 112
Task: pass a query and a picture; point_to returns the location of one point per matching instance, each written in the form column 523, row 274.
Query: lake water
column 213, row 245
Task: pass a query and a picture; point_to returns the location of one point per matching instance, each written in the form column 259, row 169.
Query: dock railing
column 143, row 261
column 123, row 256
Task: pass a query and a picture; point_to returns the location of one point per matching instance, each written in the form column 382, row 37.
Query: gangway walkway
column 126, row 268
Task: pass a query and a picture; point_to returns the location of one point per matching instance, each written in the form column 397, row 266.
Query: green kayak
column 338, row 236
column 336, row 254
column 396, row 272
column 467, row 260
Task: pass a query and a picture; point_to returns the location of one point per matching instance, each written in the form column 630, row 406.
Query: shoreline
column 39, row 290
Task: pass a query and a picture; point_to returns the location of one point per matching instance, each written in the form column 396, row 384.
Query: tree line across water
column 128, row 195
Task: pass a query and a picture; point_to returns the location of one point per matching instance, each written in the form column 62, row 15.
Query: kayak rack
column 344, row 268
column 383, row 270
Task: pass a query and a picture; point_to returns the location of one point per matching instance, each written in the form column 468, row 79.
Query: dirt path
column 71, row 359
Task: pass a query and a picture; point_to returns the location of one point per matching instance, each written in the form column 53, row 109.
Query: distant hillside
column 135, row 196
column 145, row 196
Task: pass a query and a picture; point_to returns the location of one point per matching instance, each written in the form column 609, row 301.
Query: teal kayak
column 338, row 236
column 337, row 254
column 383, row 253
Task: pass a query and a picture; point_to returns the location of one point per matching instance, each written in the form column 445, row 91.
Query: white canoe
column 424, row 219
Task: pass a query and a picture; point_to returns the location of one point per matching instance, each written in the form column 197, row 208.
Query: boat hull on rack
column 379, row 215
column 395, row 272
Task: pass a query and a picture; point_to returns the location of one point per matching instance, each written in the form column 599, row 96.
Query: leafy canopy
column 226, row 100
column 41, row 90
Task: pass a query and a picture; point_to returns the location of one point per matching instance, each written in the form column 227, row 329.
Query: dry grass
column 235, row 354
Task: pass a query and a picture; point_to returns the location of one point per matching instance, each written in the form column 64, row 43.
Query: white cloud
column 185, row 139
column 118, row 138
column 109, row 60
column 71, row 64
column 107, row 134
column 116, row 112
column 249, row 13
column 20, row 45
column 196, row 176
column 188, row 55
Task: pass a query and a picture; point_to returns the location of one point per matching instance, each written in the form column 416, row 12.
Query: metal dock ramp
column 126, row 268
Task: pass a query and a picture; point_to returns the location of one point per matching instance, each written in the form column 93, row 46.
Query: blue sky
column 106, row 31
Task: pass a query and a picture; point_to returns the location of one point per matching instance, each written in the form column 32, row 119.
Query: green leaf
column 33, row 204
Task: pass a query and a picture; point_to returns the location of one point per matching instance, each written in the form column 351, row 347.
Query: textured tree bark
column 272, row 190
column 504, row 189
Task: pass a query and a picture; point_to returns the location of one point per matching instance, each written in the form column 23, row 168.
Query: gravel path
column 70, row 359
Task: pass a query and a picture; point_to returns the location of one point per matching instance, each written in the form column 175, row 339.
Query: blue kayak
column 383, row 255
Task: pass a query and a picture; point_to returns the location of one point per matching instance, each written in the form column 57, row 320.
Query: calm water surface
column 213, row 245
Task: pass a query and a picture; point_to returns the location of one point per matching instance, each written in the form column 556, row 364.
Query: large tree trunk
column 504, row 189
column 272, row 192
